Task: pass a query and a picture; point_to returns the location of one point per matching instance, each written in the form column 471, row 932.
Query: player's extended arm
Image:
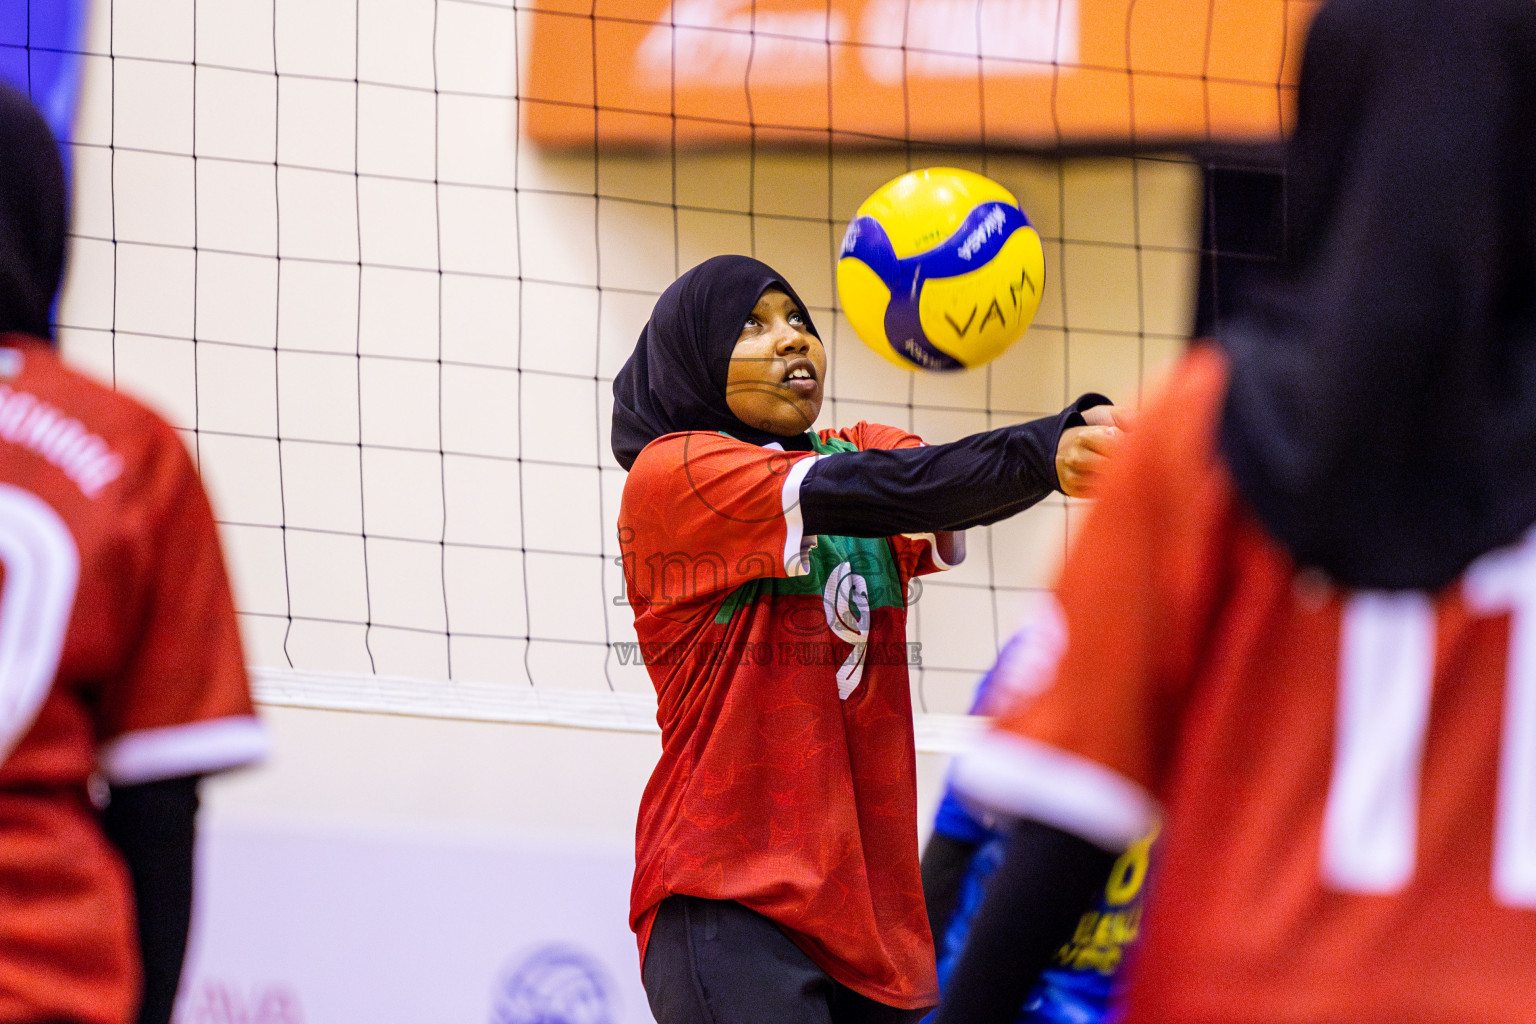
column 1047, row 880
column 152, row 824
column 975, row 481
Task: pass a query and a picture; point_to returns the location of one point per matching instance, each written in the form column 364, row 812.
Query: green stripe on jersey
column 870, row 557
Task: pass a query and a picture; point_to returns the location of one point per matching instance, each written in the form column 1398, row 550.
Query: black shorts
column 716, row 962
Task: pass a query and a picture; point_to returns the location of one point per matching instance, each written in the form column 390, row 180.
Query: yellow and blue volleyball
column 940, row 270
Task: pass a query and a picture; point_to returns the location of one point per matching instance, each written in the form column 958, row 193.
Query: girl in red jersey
column 776, row 858
column 1297, row 627
column 120, row 658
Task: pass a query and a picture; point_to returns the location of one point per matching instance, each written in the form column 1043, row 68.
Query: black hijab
column 1381, row 414
column 675, row 378
column 32, row 217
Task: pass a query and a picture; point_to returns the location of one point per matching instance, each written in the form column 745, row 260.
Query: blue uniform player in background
column 1080, row 985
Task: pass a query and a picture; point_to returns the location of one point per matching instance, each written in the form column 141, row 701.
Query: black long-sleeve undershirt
column 153, row 825
column 974, row 481
column 1047, row 880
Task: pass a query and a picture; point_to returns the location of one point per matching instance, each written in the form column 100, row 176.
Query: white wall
column 343, row 769
column 396, row 870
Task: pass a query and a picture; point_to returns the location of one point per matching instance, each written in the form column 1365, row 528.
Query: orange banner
column 1038, row 74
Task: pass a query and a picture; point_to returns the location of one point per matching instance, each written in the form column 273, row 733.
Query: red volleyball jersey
column 787, row 775
column 1348, row 778
column 119, row 655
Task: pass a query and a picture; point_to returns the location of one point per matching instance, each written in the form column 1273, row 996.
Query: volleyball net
column 379, row 262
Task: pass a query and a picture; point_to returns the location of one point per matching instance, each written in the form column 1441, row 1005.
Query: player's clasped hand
column 1084, row 452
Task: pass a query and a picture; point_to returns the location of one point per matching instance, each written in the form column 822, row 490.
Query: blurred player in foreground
column 1300, row 625
column 119, row 653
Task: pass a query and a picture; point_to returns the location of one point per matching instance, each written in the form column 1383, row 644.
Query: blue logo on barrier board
column 556, row 985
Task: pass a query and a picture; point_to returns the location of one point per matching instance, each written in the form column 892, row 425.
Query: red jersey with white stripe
column 787, row 779
column 1348, row 778
column 119, row 655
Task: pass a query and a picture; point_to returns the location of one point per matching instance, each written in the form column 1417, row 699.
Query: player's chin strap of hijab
column 675, row 378
column 33, row 217
column 1381, row 415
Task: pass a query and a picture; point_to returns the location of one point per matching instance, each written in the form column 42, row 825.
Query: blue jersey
column 1079, row 987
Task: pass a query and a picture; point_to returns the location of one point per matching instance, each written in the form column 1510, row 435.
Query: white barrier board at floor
column 296, row 926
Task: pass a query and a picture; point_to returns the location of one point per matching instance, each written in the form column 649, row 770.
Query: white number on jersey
column 1386, row 672
column 1386, row 663
column 846, row 605
column 41, row 570
column 1505, row 581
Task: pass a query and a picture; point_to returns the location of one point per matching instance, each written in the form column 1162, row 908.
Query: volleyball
column 940, row 270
